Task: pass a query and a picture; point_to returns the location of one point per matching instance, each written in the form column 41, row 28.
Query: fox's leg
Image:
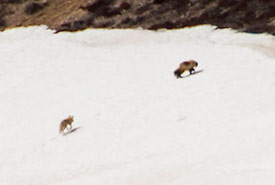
column 69, row 127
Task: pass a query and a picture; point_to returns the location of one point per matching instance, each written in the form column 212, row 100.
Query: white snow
column 135, row 123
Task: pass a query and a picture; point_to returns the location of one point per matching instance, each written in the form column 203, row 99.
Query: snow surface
column 135, row 123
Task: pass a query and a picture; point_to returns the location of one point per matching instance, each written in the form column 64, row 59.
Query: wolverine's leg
column 191, row 70
column 181, row 74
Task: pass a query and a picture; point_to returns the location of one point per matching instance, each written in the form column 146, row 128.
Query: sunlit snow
column 135, row 123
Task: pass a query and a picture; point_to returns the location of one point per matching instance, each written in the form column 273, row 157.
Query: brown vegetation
column 71, row 15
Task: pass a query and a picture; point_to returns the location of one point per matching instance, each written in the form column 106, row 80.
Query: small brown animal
column 185, row 66
column 64, row 124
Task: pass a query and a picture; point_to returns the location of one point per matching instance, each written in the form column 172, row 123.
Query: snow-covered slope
column 135, row 123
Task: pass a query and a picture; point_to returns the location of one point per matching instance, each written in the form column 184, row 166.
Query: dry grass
column 54, row 13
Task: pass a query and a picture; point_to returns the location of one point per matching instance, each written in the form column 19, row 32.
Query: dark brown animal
column 185, row 66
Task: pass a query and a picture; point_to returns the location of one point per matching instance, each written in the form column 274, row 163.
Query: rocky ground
column 254, row 16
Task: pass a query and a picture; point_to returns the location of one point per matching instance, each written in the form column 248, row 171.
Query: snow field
column 135, row 122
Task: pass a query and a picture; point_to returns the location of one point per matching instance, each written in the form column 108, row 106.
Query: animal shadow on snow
column 194, row 73
column 71, row 131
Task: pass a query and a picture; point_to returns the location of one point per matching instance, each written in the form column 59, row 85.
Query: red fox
column 185, row 66
column 64, row 124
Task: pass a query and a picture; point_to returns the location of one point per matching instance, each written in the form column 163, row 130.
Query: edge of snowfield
column 136, row 124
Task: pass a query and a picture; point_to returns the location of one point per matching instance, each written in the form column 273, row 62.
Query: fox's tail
column 60, row 128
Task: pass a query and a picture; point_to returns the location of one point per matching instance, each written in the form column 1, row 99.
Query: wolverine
column 65, row 123
column 185, row 66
